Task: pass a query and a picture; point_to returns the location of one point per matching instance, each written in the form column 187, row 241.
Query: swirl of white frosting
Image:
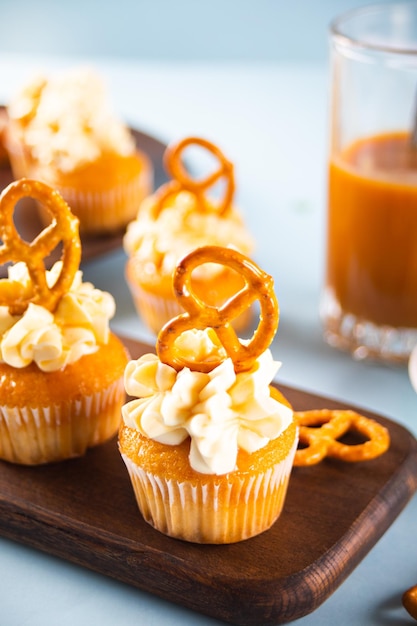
column 53, row 340
column 180, row 228
column 221, row 411
column 67, row 120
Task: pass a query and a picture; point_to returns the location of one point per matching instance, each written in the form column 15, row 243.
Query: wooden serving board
column 84, row 511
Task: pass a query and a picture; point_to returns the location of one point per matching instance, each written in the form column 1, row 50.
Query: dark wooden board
column 29, row 225
column 84, row 511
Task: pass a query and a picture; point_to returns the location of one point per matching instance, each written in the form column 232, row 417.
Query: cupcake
column 20, row 114
column 4, row 120
column 62, row 131
column 61, row 367
column 207, row 441
column 177, row 218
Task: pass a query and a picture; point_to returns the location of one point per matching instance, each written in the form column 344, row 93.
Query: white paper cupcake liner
column 225, row 512
column 106, row 211
column 154, row 310
column 35, row 435
column 19, row 158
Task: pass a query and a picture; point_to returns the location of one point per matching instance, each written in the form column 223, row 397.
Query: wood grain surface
column 84, row 511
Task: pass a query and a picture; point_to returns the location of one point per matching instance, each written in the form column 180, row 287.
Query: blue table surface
column 271, row 119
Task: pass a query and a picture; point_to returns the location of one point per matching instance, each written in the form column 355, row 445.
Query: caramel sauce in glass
column 372, row 230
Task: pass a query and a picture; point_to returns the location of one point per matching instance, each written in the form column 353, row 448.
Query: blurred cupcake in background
column 63, row 131
column 4, row 120
column 20, row 113
column 61, row 366
column 180, row 216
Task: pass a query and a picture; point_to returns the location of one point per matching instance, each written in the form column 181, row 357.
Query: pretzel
column 409, row 600
column 63, row 228
column 182, row 181
column 320, row 430
column 199, row 315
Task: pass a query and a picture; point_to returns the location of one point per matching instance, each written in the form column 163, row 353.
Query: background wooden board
column 84, row 511
column 29, row 225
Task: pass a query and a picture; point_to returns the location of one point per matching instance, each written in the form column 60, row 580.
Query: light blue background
column 257, row 30
column 251, row 76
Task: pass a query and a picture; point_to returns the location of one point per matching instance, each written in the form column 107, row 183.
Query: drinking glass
column 369, row 300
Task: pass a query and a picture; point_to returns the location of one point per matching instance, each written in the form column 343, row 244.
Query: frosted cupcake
column 4, row 120
column 207, row 441
column 61, row 367
column 20, row 114
column 177, row 218
column 63, row 131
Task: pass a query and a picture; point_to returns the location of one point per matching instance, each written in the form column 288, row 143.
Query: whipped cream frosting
column 179, row 229
column 220, row 411
column 66, row 120
column 78, row 326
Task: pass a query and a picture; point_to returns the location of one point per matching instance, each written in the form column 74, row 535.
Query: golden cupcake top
column 66, row 120
column 205, row 383
column 185, row 213
column 49, row 317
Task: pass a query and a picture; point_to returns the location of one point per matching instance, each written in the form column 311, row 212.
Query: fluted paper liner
column 35, row 435
column 233, row 509
column 104, row 211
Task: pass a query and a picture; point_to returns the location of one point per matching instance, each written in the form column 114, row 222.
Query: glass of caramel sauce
column 369, row 300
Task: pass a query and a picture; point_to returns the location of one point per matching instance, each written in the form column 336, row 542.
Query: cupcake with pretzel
column 180, row 216
column 208, row 442
column 61, row 367
column 63, row 131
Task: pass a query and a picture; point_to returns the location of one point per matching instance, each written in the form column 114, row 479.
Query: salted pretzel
column 320, row 430
column 258, row 285
column 182, row 181
column 62, row 229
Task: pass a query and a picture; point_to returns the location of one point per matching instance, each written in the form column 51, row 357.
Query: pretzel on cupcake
column 63, row 230
column 182, row 181
column 258, row 285
column 320, row 431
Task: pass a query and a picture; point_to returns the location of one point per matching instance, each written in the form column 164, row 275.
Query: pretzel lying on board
column 320, row 432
